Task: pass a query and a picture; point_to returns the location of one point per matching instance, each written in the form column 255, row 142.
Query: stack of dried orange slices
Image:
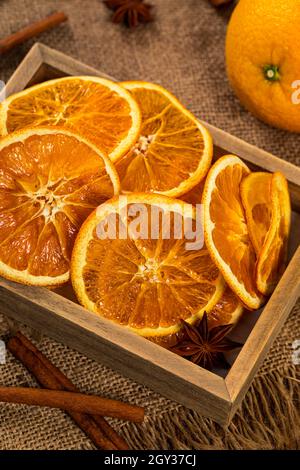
column 89, row 173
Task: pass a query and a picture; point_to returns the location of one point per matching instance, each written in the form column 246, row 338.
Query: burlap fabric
column 182, row 50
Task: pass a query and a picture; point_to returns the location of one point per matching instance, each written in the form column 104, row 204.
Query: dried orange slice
column 99, row 109
column 273, row 257
column 146, row 283
column 50, row 181
column 228, row 310
column 257, row 202
column 174, row 150
column 225, row 228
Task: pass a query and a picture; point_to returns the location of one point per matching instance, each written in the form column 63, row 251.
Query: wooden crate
column 122, row 350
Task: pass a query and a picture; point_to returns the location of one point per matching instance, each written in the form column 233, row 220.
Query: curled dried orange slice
column 174, row 151
column 266, row 200
column 256, row 198
column 147, row 283
column 99, row 109
column 50, row 181
column 225, row 228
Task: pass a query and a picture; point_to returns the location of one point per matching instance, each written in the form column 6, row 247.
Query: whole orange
column 263, row 59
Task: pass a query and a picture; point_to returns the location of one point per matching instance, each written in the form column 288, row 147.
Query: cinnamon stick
column 66, row 384
column 78, row 402
column 6, row 44
column 85, row 422
column 49, row 376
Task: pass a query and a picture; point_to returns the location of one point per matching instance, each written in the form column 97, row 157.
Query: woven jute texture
column 184, row 51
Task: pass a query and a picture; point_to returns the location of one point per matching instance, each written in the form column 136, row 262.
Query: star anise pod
column 205, row 346
column 130, row 12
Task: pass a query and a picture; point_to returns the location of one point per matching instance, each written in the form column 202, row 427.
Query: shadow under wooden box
column 214, row 394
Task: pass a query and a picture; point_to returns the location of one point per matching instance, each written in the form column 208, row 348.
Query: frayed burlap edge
column 269, row 418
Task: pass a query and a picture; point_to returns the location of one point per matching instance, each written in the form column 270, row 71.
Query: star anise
column 205, row 346
column 130, row 12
